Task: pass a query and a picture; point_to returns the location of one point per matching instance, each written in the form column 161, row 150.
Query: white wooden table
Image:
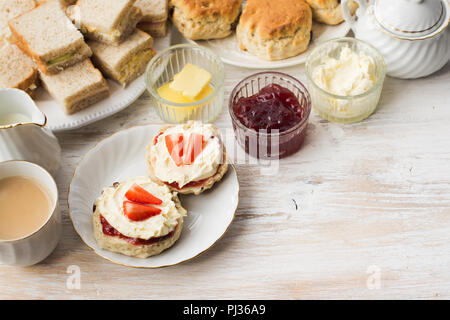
column 362, row 211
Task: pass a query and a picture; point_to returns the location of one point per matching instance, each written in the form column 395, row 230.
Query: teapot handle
column 346, row 11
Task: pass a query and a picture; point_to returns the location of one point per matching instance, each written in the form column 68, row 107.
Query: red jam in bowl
column 270, row 123
column 273, row 107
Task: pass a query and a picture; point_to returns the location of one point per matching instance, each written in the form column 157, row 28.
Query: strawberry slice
column 138, row 194
column 139, row 212
column 174, row 144
column 155, row 140
column 193, row 148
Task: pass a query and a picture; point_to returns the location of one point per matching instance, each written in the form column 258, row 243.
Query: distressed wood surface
column 362, row 211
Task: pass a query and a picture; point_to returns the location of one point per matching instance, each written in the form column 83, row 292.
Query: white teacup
column 36, row 246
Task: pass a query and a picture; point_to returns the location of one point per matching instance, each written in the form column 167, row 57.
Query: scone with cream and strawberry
column 137, row 218
column 188, row 158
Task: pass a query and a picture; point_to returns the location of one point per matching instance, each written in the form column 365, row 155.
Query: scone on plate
column 137, row 218
column 188, row 158
column 275, row 30
column 329, row 11
column 205, row 19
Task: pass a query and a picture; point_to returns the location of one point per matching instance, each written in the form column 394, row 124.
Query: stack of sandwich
column 39, row 40
column 155, row 14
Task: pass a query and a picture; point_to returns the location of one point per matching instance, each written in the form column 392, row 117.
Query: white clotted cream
column 110, row 206
column 352, row 73
column 205, row 164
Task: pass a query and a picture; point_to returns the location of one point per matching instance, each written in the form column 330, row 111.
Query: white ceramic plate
column 228, row 48
column 122, row 156
column 119, row 99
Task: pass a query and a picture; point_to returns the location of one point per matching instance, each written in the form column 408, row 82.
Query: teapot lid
column 411, row 18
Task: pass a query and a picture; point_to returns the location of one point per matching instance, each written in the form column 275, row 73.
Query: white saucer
column 122, row 156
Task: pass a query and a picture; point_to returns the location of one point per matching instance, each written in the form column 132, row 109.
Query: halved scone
column 188, row 158
column 137, row 218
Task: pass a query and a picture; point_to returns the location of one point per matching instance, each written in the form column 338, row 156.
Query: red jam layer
column 273, row 107
column 192, row 184
column 110, row 231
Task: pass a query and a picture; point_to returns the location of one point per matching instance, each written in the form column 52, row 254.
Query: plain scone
column 205, row 19
column 275, row 30
column 119, row 245
column 329, row 11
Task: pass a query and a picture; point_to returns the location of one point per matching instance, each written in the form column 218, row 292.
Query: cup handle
column 346, row 11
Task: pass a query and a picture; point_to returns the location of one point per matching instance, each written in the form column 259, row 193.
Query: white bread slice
column 153, row 10
column 155, row 29
column 10, row 9
column 77, row 87
column 47, row 35
column 126, row 62
column 63, row 2
column 105, row 20
column 17, row 70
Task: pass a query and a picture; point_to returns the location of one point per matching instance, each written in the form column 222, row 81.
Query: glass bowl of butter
column 186, row 83
column 345, row 79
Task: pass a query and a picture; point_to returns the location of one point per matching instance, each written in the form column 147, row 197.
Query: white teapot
column 23, row 135
column 412, row 35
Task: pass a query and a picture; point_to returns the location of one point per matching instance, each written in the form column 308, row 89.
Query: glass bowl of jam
column 175, row 107
column 270, row 112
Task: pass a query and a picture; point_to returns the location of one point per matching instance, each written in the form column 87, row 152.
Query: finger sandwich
column 49, row 38
column 17, row 70
column 106, row 21
column 126, row 62
column 77, row 87
column 10, row 9
column 154, row 16
column 63, row 2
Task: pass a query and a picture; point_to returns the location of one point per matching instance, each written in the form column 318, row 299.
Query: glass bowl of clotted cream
column 345, row 79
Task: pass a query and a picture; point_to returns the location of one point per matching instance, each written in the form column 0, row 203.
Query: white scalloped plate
column 122, row 156
column 119, row 99
column 228, row 48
